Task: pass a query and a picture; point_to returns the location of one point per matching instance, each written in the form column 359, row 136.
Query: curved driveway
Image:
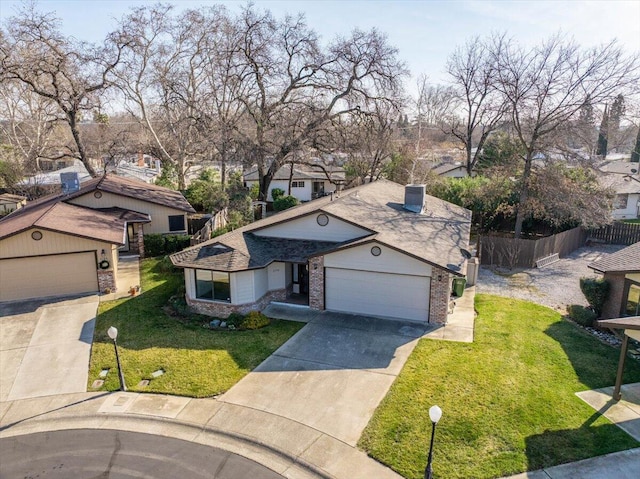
column 90, row 453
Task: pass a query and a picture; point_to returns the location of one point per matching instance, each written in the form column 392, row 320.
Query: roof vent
column 70, row 182
column 414, row 198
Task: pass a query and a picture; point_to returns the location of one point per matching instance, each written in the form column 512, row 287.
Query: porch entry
column 300, row 283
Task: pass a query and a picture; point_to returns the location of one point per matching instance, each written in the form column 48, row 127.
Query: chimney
column 414, row 198
column 140, row 159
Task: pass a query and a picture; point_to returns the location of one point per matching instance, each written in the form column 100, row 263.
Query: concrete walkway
column 128, row 275
column 460, row 322
column 45, row 346
column 287, row 447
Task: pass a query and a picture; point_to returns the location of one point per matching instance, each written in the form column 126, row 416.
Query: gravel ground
column 555, row 285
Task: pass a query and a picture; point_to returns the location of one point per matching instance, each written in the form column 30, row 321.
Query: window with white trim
column 213, row 285
column 297, row 184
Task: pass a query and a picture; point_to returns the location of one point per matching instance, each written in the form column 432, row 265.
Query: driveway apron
column 45, row 347
column 332, row 374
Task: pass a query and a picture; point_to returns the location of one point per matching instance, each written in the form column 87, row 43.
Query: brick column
column 141, row 240
column 439, row 296
column 316, row 283
column 106, row 279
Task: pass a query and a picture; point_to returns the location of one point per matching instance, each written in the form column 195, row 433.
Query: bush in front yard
column 596, row 291
column 284, row 202
column 254, row 320
column 235, row 320
column 159, row 245
column 581, row 315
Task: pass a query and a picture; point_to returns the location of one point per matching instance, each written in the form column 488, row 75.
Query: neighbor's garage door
column 52, row 275
column 377, row 294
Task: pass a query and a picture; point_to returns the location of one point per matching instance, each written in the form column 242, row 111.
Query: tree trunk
column 73, row 125
column 524, row 195
column 469, row 158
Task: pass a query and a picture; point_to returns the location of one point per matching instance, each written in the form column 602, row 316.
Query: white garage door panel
column 53, row 275
column 377, row 294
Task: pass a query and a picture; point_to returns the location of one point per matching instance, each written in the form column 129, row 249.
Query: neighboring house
column 622, row 270
column 451, row 170
column 9, row 203
column 69, row 243
column 307, row 182
column 620, row 167
column 626, row 204
column 380, row 249
column 52, row 177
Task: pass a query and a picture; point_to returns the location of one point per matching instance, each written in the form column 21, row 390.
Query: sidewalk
column 618, row 465
column 287, row 447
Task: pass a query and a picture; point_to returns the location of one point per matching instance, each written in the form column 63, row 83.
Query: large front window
column 213, row 285
column 632, row 300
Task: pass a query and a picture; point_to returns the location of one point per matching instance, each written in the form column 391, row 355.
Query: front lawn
column 633, row 222
column 197, row 361
column 508, row 399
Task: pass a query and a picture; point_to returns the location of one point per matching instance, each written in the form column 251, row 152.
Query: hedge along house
column 380, row 250
column 622, row 270
column 64, row 244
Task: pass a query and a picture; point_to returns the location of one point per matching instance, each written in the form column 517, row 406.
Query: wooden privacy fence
column 217, row 221
column 523, row 253
column 616, row 233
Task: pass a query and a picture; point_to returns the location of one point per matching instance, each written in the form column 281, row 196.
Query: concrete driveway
column 45, row 346
column 332, row 374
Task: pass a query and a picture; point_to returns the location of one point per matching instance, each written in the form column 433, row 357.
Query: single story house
column 67, row 244
column 451, row 170
column 9, row 203
column 622, row 270
column 380, row 249
column 305, row 183
column 626, row 203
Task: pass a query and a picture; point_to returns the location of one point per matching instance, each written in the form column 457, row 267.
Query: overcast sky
column 425, row 32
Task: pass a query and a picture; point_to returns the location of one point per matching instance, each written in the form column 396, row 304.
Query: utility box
column 458, row 286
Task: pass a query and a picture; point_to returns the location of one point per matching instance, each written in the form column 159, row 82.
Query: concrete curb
column 288, row 448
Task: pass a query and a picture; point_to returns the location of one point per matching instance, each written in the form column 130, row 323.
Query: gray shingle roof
column 626, row 260
column 434, row 236
column 301, row 173
column 621, row 184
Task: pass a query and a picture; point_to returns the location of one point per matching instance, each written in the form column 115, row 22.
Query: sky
column 425, row 32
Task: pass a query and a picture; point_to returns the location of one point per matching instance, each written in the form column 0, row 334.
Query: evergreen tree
column 603, row 134
column 616, row 113
column 635, row 154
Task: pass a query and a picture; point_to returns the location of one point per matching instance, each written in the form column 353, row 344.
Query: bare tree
column 433, row 106
column 68, row 73
column 481, row 106
column 298, row 89
column 547, row 85
column 29, row 124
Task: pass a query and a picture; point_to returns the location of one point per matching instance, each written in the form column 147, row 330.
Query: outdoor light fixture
column 435, row 413
column 113, row 334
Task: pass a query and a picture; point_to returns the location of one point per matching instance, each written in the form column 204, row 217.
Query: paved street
column 119, row 454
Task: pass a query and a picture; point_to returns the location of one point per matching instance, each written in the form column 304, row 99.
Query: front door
column 300, row 276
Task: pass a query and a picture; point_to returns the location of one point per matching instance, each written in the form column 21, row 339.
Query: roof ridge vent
column 414, row 197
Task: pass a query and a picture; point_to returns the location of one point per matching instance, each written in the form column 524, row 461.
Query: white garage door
column 377, row 294
column 53, row 275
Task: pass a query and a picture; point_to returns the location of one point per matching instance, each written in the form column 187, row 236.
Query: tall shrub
column 596, row 291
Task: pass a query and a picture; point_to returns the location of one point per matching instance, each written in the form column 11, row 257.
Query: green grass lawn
column 197, row 361
column 508, row 399
column 633, row 222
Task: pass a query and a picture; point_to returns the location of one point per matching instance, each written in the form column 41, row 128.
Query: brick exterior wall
column 106, row 279
column 613, row 304
column 316, row 283
column 222, row 310
column 140, row 243
column 440, row 295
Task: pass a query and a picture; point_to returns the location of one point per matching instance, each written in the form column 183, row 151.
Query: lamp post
column 113, row 334
column 435, row 413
